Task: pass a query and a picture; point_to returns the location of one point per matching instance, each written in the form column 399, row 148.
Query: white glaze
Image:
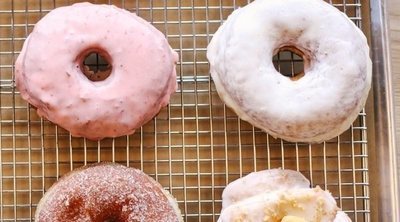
column 260, row 182
column 143, row 77
column 269, row 190
column 312, row 205
column 341, row 217
column 320, row 105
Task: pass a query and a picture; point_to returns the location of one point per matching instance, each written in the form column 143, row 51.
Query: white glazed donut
column 279, row 195
column 260, row 182
column 315, row 107
column 311, row 205
column 49, row 70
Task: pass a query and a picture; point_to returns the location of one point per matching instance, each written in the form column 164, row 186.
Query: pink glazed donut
column 51, row 76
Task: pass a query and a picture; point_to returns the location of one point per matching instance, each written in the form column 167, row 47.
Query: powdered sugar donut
column 49, row 70
column 107, row 192
column 315, row 107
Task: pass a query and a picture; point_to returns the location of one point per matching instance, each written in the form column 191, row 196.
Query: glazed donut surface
column 107, row 192
column 278, row 195
column 304, row 204
column 315, row 107
column 49, row 72
column 260, row 182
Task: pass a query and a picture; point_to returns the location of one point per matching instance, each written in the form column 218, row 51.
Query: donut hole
column 289, row 61
column 96, row 65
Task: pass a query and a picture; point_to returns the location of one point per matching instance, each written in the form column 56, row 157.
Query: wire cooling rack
column 194, row 147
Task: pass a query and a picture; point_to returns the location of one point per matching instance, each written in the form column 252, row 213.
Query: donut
column 260, row 182
column 341, row 217
column 302, row 203
column 107, row 192
column 141, row 76
column 313, row 107
column 278, row 195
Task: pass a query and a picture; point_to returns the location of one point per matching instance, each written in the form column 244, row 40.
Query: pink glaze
column 49, row 76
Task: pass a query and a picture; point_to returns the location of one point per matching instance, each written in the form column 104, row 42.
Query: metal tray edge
column 385, row 189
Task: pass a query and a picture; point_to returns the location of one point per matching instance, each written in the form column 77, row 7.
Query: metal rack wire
column 194, row 147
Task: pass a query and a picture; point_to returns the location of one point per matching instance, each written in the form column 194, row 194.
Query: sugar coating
column 278, row 195
column 320, row 105
column 107, row 192
column 143, row 76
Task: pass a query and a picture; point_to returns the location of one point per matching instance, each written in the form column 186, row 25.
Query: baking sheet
column 194, row 147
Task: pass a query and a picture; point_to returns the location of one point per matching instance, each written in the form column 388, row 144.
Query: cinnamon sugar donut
column 107, row 192
column 49, row 72
column 314, row 107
